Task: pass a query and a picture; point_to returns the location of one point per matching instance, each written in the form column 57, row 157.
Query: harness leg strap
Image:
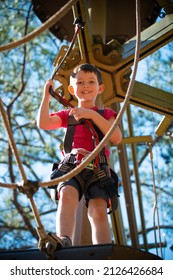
column 110, row 183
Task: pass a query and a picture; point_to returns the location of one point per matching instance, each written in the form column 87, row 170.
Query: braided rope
column 35, row 33
column 12, row 142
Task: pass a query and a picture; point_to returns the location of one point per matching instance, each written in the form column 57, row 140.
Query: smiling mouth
column 86, row 92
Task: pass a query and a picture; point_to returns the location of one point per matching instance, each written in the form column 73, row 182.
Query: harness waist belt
column 78, row 158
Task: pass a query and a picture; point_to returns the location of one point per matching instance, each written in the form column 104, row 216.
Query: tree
column 22, row 76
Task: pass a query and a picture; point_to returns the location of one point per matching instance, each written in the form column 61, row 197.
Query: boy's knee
column 68, row 194
column 97, row 209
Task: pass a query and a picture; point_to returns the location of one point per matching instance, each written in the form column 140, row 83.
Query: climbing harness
column 107, row 180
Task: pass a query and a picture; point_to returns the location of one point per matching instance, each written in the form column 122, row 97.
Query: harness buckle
column 90, row 166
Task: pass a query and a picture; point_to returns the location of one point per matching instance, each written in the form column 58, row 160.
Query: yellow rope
column 50, row 22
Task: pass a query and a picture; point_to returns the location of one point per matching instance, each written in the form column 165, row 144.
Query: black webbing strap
column 68, row 139
column 110, row 183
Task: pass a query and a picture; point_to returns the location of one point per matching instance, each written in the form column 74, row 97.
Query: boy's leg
column 66, row 213
column 97, row 214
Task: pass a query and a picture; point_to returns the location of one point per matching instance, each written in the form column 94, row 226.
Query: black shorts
column 86, row 186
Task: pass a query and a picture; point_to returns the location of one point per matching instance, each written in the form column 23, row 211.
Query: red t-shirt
column 83, row 136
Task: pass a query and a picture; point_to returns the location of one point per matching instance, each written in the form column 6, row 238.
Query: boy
column 85, row 85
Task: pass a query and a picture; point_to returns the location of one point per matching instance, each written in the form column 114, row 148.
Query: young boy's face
column 85, row 86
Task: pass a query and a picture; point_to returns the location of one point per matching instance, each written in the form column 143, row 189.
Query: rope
column 11, row 140
column 35, row 212
column 100, row 146
column 10, row 186
column 155, row 209
column 35, row 33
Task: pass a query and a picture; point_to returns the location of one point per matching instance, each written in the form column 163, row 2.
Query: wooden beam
column 163, row 126
column 153, row 99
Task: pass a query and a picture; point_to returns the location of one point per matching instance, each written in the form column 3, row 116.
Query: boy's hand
column 48, row 84
column 81, row 113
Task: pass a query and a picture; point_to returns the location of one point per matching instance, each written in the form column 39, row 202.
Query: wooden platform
column 92, row 252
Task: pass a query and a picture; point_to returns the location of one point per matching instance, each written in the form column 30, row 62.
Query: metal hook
column 169, row 133
column 78, row 26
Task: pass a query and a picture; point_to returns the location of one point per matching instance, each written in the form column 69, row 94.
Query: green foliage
column 23, row 73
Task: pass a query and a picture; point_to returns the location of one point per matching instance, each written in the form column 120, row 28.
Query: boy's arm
column 116, row 136
column 44, row 120
column 104, row 125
